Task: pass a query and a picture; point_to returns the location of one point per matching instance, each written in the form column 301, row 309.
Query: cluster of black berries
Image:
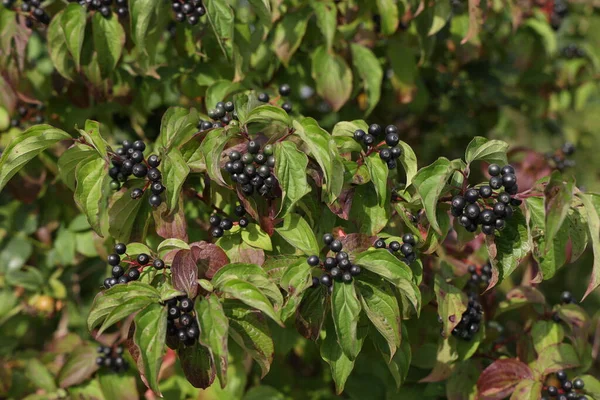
column 284, row 91
column 572, row 51
column 480, row 276
column 112, row 359
column 221, row 115
column 338, row 268
column 103, row 6
column 31, row 9
column 181, row 320
column 388, row 154
column 568, row 389
column 470, row 214
column 119, row 276
column 129, row 160
column 470, row 321
column 559, row 12
column 559, row 158
column 253, row 170
column 220, row 224
column 188, row 10
column 407, row 248
column 28, row 113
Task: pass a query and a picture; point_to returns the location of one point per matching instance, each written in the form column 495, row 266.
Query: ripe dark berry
column 472, row 195
column 494, row 170
column 113, row 281
column 495, row 182
column 107, row 283
column 153, row 161
column 568, row 149
column 114, row 259
column 157, row 188
column 155, row 200
column 375, row 129
column 500, row 209
column 99, row 360
column 347, row 277
column 271, row 161
column 392, row 164
column 567, row 385
column 240, row 211
column 504, row 198
column 186, row 304
column 229, row 107
column 561, row 375
column 123, row 279
column 133, row 274
column 330, row 262
column 485, row 191
column 359, row 134
column 406, row 249
column 487, row 229
column 216, row 232
column 369, row 139
column 253, row 147
column 263, row 97
column 244, row 222
column 342, row 255
column 566, row 297
column 336, row 246
column 409, row 238
column 235, row 155
column 143, row 259
column 185, row 319
column 154, row 174
column 173, row 313
column 285, row 90
column 552, row 391
column 139, row 145
column 327, row 239
column 117, row 271
column 379, row 244
column 326, row 280
column 182, row 335
column 313, row 261
column 139, row 170
column 507, row 169
column 335, row 272
column 226, row 224
column 287, row 107
column 385, row 154
column 487, row 217
column 391, row 129
column 158, row 264
column 458, row 202
column 578, row 384
column 472, row 211
column 355, row 270
column 214, row 220
column 392, row 139
column 509, row 180
column 120, row 248
column 263, row 171
column 206, row 124
column 394, row 246
column 344, row 264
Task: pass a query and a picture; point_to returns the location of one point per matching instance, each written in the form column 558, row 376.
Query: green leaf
column 38, row 374
column 442, row 12
column 212, row 148
column 452, row 303
column 388, row 10
column 221, row 18
column 323, row 149
column 369, row 69
column 80, row 365
column 123, row 310
column 289, row 33
column 379, row 176
column 218, row 91
column 118, row 386
column 592, row 211
column 592, row 386
column 558, row 196
column 527, row 389
column 408, row 159
column 368, row 209
column 91, row 133
column 462, row 384
column 326, row 14
column 255, row 237
column 345, row 311
column 175, row 171
column 250, row 295
column 310, row 314
column 380, row 305
column 143, row 17
column 554, row 358
column 26, row 146
column 268, row 114
column 177, row 127
column 149, row 337
column 251, row 332
column 106, row 302
column 546, row 333
column 68, row 162
column 262, row 8
column 57, row 47
column 128, row 218
column 490, row 151
column 168, row 245
column 298, row 233
column 295, row 280
column 250, row 273
column 135, row 249
column 73, row 22
column 214, row 329
column 332, row 76
column 509, row 246
column 109, row 39
column 430, row 182
column 290, row 170
column 540, row 26
column 91, row 192
column 244, row 104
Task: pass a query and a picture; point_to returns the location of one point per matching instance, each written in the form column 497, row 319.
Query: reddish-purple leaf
column 209, row 258
column 185, row 272
column 171, row 226
column 79, row 367
column 197, row 364
column 500, row 379
column 356, row 242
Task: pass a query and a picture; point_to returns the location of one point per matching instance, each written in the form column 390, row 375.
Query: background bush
column 479, row 81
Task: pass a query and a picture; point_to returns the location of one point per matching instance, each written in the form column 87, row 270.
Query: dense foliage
column 281, row 199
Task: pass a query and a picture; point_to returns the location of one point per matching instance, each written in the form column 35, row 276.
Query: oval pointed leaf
column 333, row 77
column 345, row 310
column 149, row 338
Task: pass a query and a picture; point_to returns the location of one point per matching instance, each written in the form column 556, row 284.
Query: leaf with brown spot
column 500, row 379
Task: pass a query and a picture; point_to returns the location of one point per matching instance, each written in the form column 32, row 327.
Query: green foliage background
column 443, row 72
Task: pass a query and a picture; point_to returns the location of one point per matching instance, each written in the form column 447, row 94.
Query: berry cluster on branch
column 388, row 154
column 189, row 11
column 406, row 248
column 221, row 224
column 253, row 170
column 567, row 390
column 119, row 275
column 112, row 358
column 559, row 159
column 32, row 10
column 181, row 320
column 28, row 113
column 104, row 6
column 338, row 268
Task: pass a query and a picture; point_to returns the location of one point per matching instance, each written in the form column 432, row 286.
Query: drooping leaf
column 149, row 337
column 388, row 11
column 345, row 311
column 80, row 366
column 490, row 151
column 452, row 303
column 72, row 22
column 289, row 33
column 310, row 314
column 91, row 192
column 197, row 365
column 332, row 76
column 290, row 170
column 592, row 210
column 57, row 48
column 214, row 330
column 129, row 218
column 298, row 233
column 250, row 295
column 220, row 15
column 109, row 39
column 185, row 272
column 177, row 126
column 268, row 114
column 91, row 133
column 175, row 171
column 370, row 71
column 212, row 148
column 326, row 14
column 69, row 161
